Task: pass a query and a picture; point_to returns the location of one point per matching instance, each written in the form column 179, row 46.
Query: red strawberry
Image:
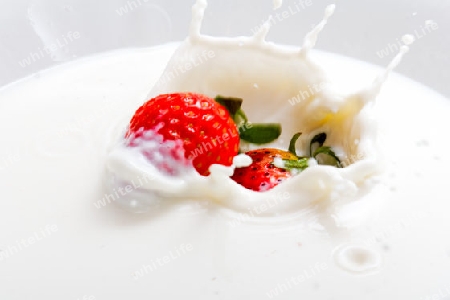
column 184, row 129
column 262, row 175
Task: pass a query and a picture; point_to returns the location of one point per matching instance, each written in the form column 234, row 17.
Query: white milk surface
column 64, row 237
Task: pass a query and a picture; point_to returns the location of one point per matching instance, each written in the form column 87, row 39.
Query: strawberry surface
column 262, row 175
column 202, row 129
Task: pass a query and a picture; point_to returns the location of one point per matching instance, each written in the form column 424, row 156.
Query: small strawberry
column 263, row 175
column 184, row 129
column 270, row 167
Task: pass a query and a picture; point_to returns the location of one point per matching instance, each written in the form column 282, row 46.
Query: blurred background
column 37, row 34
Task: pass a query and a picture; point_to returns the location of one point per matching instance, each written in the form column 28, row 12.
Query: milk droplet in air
column 408, row 39
column 277, row 4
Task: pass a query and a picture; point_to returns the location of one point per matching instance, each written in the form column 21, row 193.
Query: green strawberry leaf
column 293, row 141
column 233, row 105
column 260, row 133
column 330, row 157
column 253, row 133
column 317, row 142
column 299, row 164
column 240, row 119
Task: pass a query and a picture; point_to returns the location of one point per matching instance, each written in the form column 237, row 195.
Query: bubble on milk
column 357, row 259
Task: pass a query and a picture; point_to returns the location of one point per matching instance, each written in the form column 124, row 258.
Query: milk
column 61, row 125
column 381, row 236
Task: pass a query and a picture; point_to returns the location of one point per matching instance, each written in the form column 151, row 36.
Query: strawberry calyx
column 299, row 164
column 324, row 155
column 254, row 133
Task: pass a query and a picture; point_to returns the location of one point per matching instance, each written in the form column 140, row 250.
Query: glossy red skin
column 208, row 133
column 262, row 175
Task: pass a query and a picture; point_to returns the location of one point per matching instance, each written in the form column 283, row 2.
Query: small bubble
column 357, row 259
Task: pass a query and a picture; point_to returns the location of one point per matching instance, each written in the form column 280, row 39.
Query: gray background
column 359, row 29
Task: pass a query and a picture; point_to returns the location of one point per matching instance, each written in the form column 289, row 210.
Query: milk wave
column 265, row 75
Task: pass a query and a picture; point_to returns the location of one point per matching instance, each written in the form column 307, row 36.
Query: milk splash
column 265, row 75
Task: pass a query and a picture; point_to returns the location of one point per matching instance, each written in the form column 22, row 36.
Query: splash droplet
column 277, row 4
column 408, row 39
